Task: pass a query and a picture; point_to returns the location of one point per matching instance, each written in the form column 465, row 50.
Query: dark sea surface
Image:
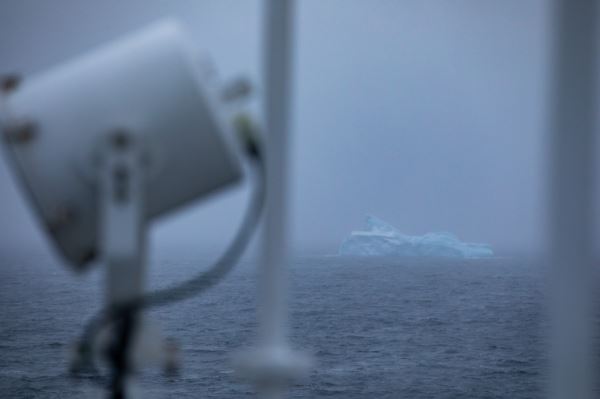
column 377, row 328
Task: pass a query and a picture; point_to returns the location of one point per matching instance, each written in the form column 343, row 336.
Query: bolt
column 120, row 140
column 239, row 89
column 121, row 183
column 21, row 132
column 10, row 82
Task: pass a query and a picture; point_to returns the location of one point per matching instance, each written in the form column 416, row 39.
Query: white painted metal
column 277, row 77
column 273, row 364
column 573, row 114
column 122, row 191
column 148, row 83
column 122, row 223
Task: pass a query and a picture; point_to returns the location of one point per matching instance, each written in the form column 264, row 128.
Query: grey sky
column 428, row 114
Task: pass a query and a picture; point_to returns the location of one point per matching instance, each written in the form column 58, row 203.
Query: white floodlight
column 107, row 142
column 130, row 123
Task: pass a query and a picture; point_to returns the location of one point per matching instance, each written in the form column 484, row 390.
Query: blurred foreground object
column 574, row 353
column 143, row 93
column 109, row 141
column 273, row 366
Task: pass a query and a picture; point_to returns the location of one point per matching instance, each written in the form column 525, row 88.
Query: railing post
column 572, row 116
column 277, row 54
column 273, row 365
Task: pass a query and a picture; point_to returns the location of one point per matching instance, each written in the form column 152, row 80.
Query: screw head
column 10, row 82
column 120, row 140
column 21, row 132
column 239, row 89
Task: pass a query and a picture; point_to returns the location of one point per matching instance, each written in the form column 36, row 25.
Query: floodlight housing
column 148, row 86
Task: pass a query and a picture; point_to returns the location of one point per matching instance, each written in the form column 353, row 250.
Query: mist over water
column 428, row 115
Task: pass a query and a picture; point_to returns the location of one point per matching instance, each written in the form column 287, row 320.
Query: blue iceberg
column 383, row 239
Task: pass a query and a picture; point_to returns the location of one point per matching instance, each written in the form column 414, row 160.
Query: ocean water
column 376, row 328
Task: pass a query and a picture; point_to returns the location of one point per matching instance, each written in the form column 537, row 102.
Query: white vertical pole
column 571, row 165
column 277, row 52
column 273, row 365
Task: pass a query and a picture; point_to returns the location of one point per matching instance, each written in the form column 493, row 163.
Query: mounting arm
column 122, row 244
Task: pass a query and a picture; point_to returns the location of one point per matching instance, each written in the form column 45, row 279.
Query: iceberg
column 383, row 239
